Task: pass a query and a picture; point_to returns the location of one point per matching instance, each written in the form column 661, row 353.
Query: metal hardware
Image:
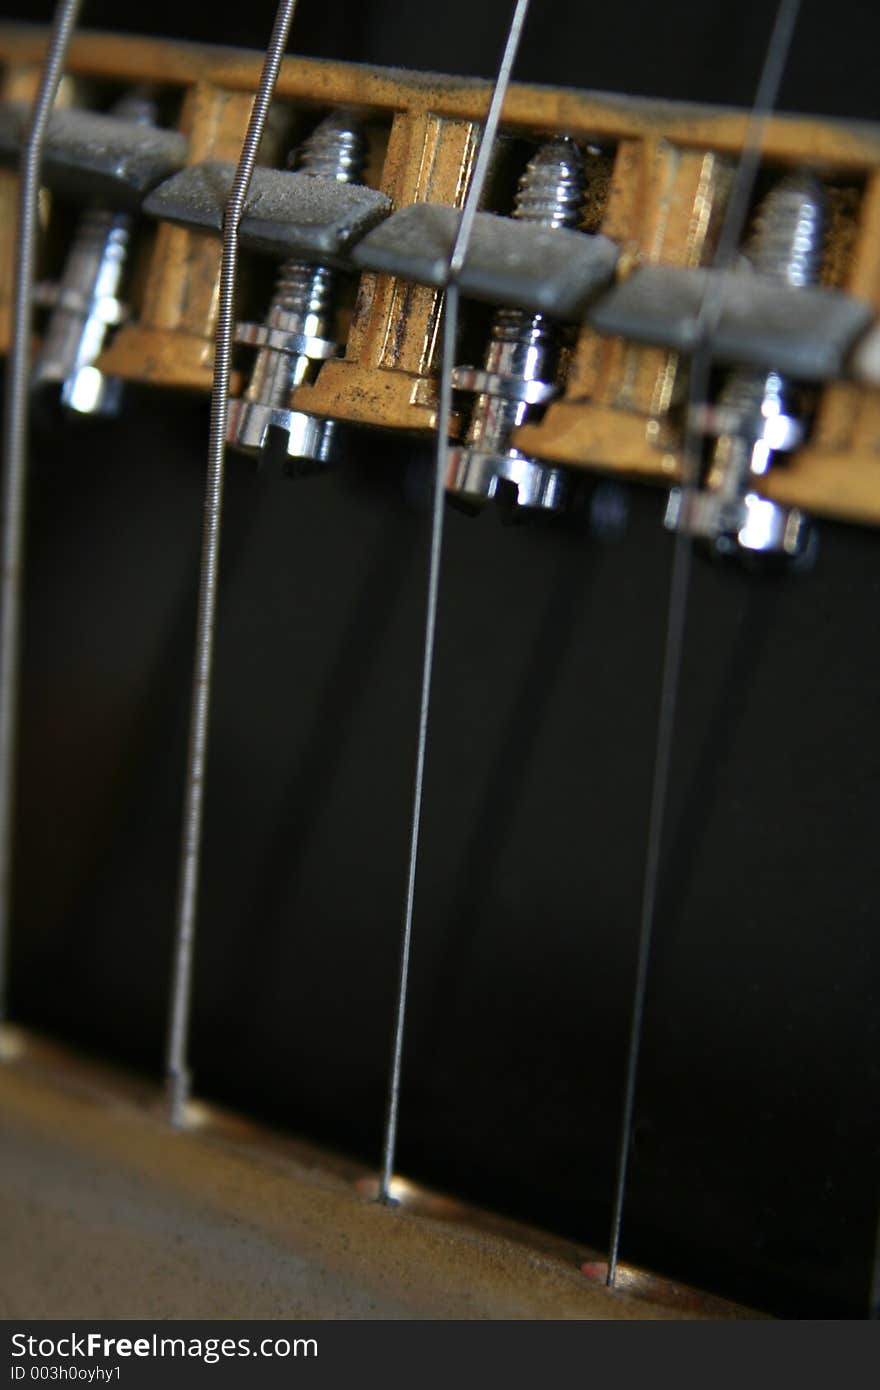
column 612, row 417
column 86, row 299
column 524, row 264
column 757, row 416
column 15, row 440
column 112, row 158
column 297, row 334
column 313, row 216
column 805, row 333
column 177, row 1069
column 451, row 307
column 522, row 360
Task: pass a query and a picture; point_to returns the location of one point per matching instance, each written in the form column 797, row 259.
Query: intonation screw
column 521, row 363
column 297, row 334
column 756, row 415
column 85, row 301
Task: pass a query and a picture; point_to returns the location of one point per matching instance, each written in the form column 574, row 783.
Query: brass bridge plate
column 659, row 175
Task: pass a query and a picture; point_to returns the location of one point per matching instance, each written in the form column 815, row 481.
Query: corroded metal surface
column 659, row 179
column 107, row 1212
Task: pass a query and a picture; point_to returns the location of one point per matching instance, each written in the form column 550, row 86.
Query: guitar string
column 16, row 438
column 177, row 1056
column 16, row 434
column 730, row 237
column 444, row 413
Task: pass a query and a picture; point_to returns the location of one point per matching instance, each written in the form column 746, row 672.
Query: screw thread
column 304, row 290
column 99, row 229
column 100, row 245
column 303, row 299
column 553, row 186
column 785, row 246
column 787, row 234
column 90, row 280
column 551, row 193
column 336, row 149
column 137, row 105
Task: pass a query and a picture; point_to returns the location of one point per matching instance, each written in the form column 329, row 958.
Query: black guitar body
column 757, row 1144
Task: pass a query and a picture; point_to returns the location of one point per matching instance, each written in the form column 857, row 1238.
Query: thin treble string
column 730, row 237
column 177, row 1056
column 444, row 414
column 874, row 1280
column 15, row 447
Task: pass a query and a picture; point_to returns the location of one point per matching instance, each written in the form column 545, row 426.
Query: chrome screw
column 756, row 417
column 521, row 363
column 85, row 301
column 297, row 334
